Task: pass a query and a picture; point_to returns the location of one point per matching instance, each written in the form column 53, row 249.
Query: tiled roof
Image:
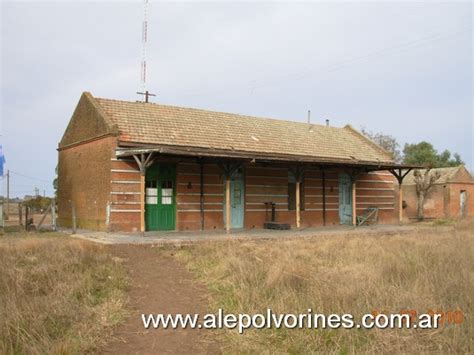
column 149, row 123
column 445, row 175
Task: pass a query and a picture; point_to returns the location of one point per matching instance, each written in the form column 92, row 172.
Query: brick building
column 134, row 166
column 451, row 196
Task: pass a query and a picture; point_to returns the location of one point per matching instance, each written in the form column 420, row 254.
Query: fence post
column 73, row 218
column 26, row 218
column 53, row 215
column 20, row 214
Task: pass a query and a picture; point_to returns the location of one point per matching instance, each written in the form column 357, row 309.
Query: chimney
column 327, row 122
column 309, row 116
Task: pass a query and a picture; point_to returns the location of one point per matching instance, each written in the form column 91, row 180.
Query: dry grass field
column 63, row 295
column 57, row 295
column 431, row 269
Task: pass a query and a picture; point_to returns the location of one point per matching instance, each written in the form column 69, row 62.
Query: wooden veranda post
column 400, row 203
column 143, row 162
column 227, row 204
column 399, row 175
column 201, row 192
column 353, row 174
column 354, row 203
column 142, row 201
column 298, row 172
column 298, row 209
column 228, row 169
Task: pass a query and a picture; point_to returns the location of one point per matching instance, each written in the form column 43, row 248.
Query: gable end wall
column 87, row 122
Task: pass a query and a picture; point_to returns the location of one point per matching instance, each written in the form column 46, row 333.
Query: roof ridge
column 154, row 123
column 221, row 112
column 93, row 100
column 379, row 147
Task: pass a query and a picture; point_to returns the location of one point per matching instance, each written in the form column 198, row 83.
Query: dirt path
column 159, row 284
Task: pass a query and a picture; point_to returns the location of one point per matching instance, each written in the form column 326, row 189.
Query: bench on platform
column 369, row 216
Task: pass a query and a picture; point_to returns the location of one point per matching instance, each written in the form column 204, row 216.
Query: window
column 167, row 192
column 292, row 193
column 237, row 193
column 151, row 193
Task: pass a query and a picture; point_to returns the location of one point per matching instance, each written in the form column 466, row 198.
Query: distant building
column 451, row 196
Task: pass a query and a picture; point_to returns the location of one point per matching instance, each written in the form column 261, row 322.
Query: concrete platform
column 187, row 238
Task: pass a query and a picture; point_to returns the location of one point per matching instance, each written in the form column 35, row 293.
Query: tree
column 423, row 183
column 39, row 203
column 387, row 142
column 444, row 159
column 424, row 153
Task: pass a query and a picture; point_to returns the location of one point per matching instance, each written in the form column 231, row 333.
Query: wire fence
column 17, row 216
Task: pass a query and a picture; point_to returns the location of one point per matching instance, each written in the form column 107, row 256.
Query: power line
column 402, row 47
column 378, row 53
column 30, row 177
column 29, row 185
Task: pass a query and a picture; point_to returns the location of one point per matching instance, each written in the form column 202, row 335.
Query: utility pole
column 8, row 196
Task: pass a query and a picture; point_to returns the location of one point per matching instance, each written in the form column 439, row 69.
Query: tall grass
column 429, row 269
column 57, row 295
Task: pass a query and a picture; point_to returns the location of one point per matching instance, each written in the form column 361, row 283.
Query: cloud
column 401, row 68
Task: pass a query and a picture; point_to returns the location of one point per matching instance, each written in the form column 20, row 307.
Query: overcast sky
column 404, row 69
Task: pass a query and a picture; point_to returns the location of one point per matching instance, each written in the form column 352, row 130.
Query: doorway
column 462, row 203
column 160, row 197
column 236, row 200
column 345, row 199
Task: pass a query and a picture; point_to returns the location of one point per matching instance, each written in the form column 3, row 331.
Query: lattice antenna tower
column 144, row 40
column 143, row 88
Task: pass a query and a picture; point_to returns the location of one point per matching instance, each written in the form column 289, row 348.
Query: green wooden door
column 160, row 197
column 345, row 199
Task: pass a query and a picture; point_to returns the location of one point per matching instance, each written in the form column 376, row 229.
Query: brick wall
column 84, row 179
column 442, row 201
column 271, row 184
column 378, row 189
column 454, row 207
column 262, row 184
column 188, row 216
column 124, row 195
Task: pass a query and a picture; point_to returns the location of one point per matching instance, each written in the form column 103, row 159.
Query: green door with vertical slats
column 160, row 197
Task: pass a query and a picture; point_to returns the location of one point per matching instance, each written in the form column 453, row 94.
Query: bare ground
column 159, row 284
